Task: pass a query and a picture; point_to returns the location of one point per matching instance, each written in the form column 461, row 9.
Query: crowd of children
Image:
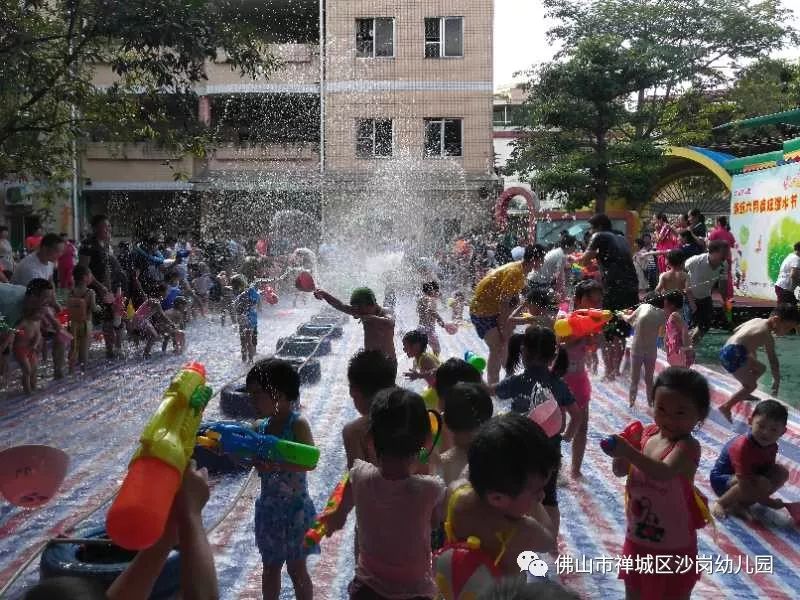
column 490, row 485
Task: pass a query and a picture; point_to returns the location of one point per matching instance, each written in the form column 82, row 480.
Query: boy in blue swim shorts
column 739, row 355
column 746, row 472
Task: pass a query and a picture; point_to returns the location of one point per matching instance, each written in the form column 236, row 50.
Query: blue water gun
column 232, row 438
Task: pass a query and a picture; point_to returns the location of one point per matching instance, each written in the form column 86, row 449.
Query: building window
column 444, row 37
column 443, row 137
column 375, row 38
column 373, row 138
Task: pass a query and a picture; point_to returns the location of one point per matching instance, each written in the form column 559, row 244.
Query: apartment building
column 379, row 108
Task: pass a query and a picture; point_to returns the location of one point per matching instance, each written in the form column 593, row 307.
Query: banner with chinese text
column 765, row 220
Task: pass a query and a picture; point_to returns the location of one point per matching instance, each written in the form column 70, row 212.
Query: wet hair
column 507, row 450
column 51, row 240
column 601, row 222
column 695, row 212
column 452, row 371
column 430, row 287
column 467, row 406
column 723, row 221
column 688, row 383
column 772, row 410
column 79, row 272
column 36, row 286
column 567, row 241
column 717, row 246
column 534, row 252
column 540, row 346
column 585, row 288
column 172, row 275
column 675, row 258
column 787, row 312
column 238, row 282
column 640, row 242
column 66, row 588
column 97, row 220
column 363, row 296
column 662, row 217
column 398, row 423
column 416, row 336
column 516, row 588
column 275, row 375
column 370, row 371
column 542, row 297
column 674, row 297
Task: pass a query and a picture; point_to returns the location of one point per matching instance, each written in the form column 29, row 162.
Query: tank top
column 660, row 514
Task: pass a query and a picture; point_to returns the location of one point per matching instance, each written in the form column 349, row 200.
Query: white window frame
column 442, row 120
column 374, row 121
column 374, row 28
column 441, row 42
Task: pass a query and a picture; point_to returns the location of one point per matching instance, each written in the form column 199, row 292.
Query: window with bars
column 444, row 37
column 375, row 38
column 373, row 138
column 443, row 137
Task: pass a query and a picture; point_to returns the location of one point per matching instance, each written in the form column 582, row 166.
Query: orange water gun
column 582, row 322
column 320, row 527
column 138, row 516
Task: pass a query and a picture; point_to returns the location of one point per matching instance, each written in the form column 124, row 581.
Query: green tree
column 633, row 76
column 154, row 51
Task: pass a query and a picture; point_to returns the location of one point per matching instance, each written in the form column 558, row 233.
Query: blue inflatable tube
column 103, row 562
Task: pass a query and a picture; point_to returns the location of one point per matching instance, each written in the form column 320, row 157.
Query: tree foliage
column 150, row 53
column 633, row 76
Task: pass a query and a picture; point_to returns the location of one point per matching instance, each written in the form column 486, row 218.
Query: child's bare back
column 379, row 332
column 354, row 436
column 753, row 334
column 672, row 279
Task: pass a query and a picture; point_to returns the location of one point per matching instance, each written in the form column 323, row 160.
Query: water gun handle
column 320, row 527
column 631, row 434
column 608, row 443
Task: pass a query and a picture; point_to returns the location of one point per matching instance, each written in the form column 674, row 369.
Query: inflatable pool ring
column 327, row 320
column 303, row 346
column 315, row 330
column 234, row 401
column 214, row 462
column 309, row 369
column 103, row 563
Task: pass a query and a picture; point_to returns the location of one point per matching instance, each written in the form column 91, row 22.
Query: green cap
column 363, row 296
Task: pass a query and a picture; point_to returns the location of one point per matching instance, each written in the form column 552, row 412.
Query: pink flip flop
column 31, row 475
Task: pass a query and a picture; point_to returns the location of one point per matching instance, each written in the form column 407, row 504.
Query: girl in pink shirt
column 662, row 509
column 395, row 506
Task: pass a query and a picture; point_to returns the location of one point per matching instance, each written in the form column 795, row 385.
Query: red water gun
column 582, row 322
column 631, row 434
column 320, row 527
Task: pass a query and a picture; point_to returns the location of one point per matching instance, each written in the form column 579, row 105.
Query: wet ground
column 97, row 418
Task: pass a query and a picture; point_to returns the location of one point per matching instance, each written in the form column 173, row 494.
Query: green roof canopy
column 787, row 117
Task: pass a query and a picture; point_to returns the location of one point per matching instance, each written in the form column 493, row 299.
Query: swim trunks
column 733, row 357
column 483, row 324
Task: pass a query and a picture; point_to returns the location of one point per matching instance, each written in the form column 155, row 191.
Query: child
column 510, row 462
column 647, row 321
column 369, row 372
column 415, row 344
column 284, row 510
column 394, row 507
column 378, row 322
column 746, row 471
column 244, row 307
column 28, row 339
column 677, row 341
column 588, row 294
column 538, row 349
column 466, row 407
column 661, row 505
column 739, row 355
column 202, row 287
column 429, row 315
column 674, row 278
column 81, row 306
column 457, row 307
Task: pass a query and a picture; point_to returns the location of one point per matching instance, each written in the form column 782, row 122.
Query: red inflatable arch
column 501, row 208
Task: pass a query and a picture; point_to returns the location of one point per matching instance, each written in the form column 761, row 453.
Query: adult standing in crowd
column 789, row 277
column 697, row 224
column 66, row 263
column 722, row 232
column 703, row 272
column 41, row 263
column 95, row 253
column 492, row 304
column 6, row 254
column 34, row 239
column 620, row 285
column 665, row 238
column 553, row 272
